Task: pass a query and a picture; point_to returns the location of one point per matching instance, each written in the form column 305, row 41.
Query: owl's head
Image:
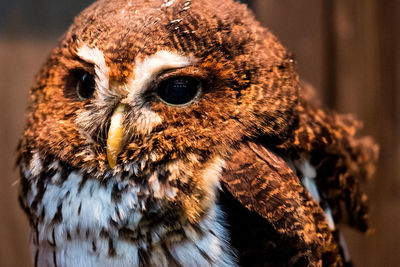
column 159, row 92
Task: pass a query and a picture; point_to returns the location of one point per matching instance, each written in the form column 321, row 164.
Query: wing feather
column 262, row 182
column 342, row 160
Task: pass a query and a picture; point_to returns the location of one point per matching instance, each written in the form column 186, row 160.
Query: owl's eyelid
column 177, row 72
column 81, row 67
column 84, row 65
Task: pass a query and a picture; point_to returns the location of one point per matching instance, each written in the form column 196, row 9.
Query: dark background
column 349, row 50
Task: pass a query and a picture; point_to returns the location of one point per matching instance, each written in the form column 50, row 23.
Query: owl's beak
column 115, row 135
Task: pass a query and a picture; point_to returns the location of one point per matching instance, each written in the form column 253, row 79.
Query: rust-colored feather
column 343, row 161
column 264, row 183
column 159, row 193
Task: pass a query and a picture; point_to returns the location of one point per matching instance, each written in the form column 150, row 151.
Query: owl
column 178, row 133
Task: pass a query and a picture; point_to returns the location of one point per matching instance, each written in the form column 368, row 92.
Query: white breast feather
column 96, row 208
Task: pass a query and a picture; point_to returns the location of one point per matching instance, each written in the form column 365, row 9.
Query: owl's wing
column 264, row 183
column 342, row 160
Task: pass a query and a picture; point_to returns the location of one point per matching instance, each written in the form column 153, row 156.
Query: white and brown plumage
column 176, row 133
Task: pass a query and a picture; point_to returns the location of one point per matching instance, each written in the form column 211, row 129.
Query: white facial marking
column 146, row 120
column 147, row 70
column 144, row 74
column 96, row 57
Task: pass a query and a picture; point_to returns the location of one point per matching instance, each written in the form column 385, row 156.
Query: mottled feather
column 249, row 126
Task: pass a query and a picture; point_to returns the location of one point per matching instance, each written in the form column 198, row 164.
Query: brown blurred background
column 349, row 50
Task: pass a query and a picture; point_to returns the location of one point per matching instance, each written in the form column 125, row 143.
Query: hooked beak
column 115, row 135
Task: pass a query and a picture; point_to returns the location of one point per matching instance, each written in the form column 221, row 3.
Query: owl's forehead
column 126, row 30
column 118, row 34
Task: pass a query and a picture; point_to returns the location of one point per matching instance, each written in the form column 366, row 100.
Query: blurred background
column 349, row 50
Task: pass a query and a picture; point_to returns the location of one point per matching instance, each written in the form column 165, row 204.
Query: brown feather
column 343, row 161
column 249, row 91
column 264, row 183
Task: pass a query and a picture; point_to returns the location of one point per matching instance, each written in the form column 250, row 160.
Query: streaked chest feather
column 83, row 222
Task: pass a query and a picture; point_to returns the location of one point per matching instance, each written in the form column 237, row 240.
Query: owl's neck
column 81, row 222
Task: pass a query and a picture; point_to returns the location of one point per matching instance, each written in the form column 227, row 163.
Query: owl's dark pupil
column 178, row 90
column 85, row 85
column 79, row 84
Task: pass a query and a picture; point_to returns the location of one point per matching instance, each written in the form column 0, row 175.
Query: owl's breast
column 79, row 221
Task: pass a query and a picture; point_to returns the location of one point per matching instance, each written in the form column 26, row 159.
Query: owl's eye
column 82, row 82
column 178, row 91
